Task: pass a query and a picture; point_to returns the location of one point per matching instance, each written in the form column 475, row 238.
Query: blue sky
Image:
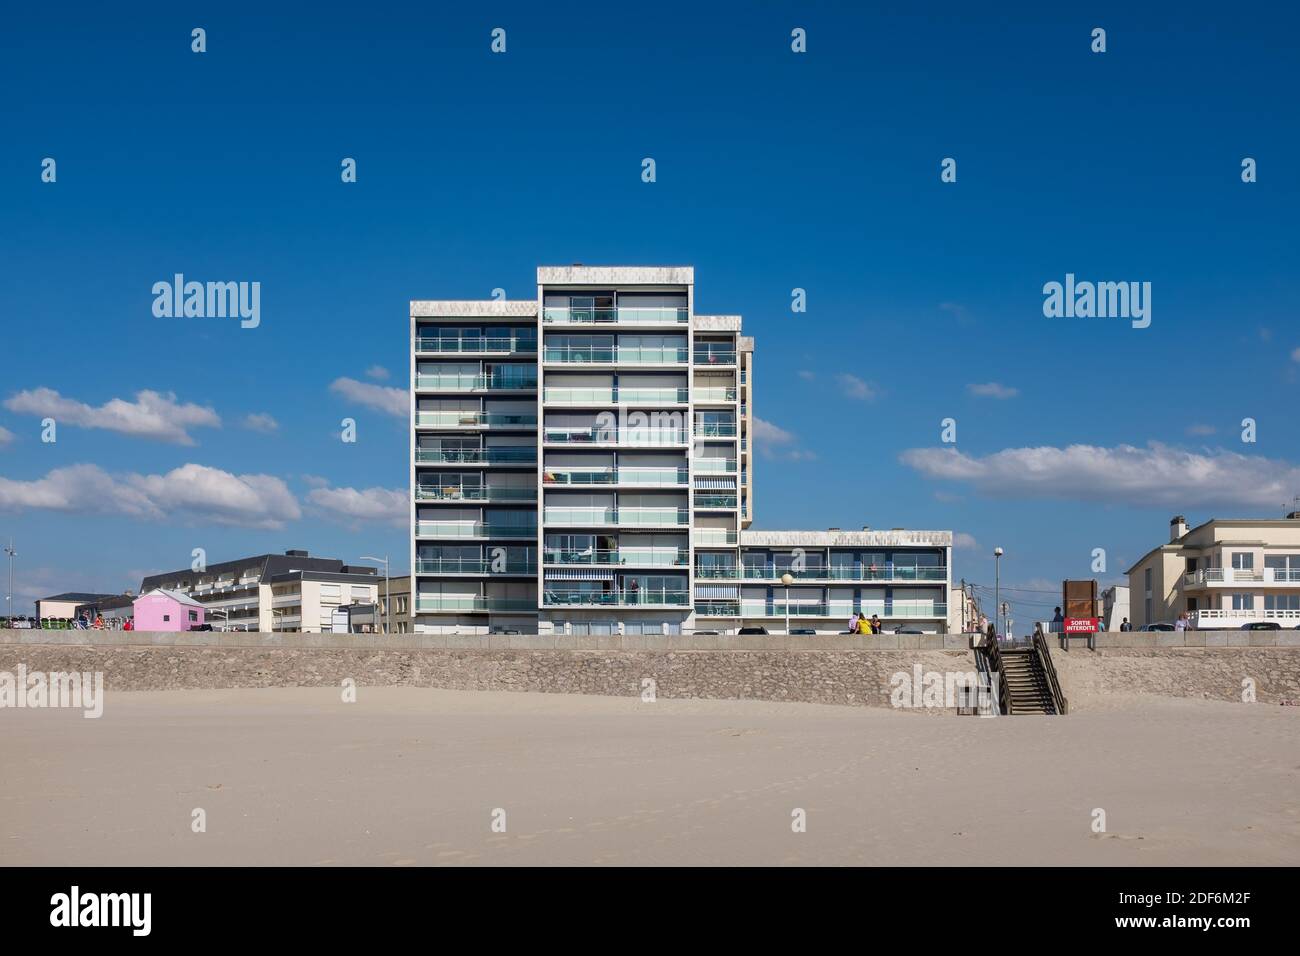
column 775, row 170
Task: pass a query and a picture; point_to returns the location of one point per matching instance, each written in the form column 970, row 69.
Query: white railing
column 1210, row 618
column 1207, row 576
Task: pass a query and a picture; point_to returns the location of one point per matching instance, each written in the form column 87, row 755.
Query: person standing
column 876, row 626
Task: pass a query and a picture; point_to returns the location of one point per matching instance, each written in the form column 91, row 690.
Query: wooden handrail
column 993, row 657
column 1054, row 685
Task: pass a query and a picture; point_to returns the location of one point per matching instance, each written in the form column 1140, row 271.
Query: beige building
column 398, row 592
column 1224, row 573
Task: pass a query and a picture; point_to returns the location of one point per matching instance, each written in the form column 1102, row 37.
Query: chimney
column 866, row 527
column 1177, row 528
column 296, row 554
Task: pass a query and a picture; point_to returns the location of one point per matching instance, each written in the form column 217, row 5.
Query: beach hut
column 163, row 610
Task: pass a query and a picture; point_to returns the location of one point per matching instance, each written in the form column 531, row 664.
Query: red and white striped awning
column 580, row 574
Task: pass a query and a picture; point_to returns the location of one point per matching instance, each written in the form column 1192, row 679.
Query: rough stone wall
column 859, row 678
column 1213, row 672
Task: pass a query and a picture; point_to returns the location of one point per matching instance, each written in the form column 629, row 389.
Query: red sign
column 1081, row 625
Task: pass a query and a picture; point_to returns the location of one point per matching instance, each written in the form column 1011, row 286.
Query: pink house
column 162, row 610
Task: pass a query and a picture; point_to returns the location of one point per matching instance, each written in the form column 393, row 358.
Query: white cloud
column 377, row 372
column 390, row 506
column 772, row 441
column 855, row 387
column 1295, row 355
column 1157, row 475
column 152, row 415
column 1201, row 429
column 993, row 390
column 6, row 436
column 961, row 539
column 188, row 494
column 261, row 422
column 394, row 401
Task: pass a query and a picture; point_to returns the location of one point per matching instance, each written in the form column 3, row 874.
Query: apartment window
column 1243, row 560
column 1243, row 602
column 1282, row 602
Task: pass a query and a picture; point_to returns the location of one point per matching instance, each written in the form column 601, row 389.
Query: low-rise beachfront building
column 64, row 606
column 902, row 577
column 273, row 592
column 162, row 610
column 1225, row 573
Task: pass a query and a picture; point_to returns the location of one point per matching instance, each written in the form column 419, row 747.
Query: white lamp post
column 9, row 608
column 787, row 579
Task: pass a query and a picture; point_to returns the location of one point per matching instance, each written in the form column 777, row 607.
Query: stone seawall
column 860, row 678
column 1216, row 673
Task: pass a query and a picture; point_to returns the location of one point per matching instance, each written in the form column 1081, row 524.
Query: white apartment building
column 273, row 592
column 1225, row 573
column 582, row 463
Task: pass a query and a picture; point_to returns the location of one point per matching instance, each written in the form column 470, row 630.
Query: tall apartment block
column 583, row 463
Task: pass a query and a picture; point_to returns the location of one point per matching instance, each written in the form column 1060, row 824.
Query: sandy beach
column 409, row 776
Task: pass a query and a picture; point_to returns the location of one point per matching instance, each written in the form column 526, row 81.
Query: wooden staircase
column 1026, row 678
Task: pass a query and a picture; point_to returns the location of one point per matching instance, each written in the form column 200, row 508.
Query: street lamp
column 9, row 607
column 997, row 588
column 388, row 604
column 787, row 579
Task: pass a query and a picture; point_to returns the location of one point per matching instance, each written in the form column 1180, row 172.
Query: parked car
column 803, row 630
column 706, row 633
column 201, row 627
column 908, row 629
column 1162, row 626
column 752, row 630
column 504, row 630
column 1261, row 626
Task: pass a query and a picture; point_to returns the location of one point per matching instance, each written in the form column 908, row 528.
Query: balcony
column 642, row 477
column 477, row 456
column 472, row 602
column 898, row 610
column 713, row 395
column 715, row 537
column 444, row 419
column 1212, row 619
column 715, row 430
column 636, row 437
column 614, row 355
column 659, row 315
column 456, row 493
column 617, row 517
column 615, row 396
column 714, row 502
column 717, row 608
column 716, row 573
column 639, row 557
column 473, row 566
column 1265, row 577
column 565, row 597
column 475, row 530
column 710, row 354
column 477, row 344
column 476, row 383
column 715, row 466
column 769, row 573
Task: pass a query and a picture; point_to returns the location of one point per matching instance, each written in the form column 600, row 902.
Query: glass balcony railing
column 616, row 396
column 643, row 437
column 472, row 602
column 655, row 477
column 706, row 537
column 717, row 572
column 715, row 394
column 618, row 517
column 895, row 611
column 459, row 344
column 615, row 355
column 472, row 566
column 715, row 501
column 462, row 529
column 427, row 492
column 715, row 429
column 645, row 597
column 717, row 608
column 658, row 315
column 642, row 557
column 768, row 572
column 715, row 465
column 492, row 456
column 454, row 419
column 710, row 354
column 476, row 383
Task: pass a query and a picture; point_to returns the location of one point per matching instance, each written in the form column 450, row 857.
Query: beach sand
column 409, row 776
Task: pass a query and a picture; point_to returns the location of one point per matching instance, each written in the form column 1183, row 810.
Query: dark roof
column 77, row 596
column 270, row 565
column 109, row 603
column 368, row 577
